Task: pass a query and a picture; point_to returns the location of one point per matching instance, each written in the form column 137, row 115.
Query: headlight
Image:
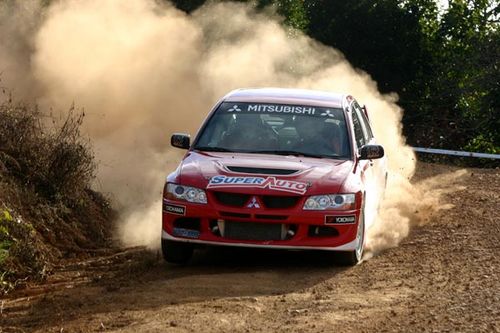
column 331, row 201
column 187, row 193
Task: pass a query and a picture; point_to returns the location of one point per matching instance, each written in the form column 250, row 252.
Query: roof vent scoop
column 262, row 171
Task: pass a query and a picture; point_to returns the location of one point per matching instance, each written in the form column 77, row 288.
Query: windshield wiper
column 288, row 152
column 217, row 149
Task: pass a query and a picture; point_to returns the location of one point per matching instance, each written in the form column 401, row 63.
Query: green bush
column 20, row 254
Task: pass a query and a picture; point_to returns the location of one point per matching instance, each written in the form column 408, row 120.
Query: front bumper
column 195, row 223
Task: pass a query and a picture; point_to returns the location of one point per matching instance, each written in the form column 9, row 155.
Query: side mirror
column 180, row 140
column 371, row 152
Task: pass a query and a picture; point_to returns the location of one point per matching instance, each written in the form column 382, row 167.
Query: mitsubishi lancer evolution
column 276, row 168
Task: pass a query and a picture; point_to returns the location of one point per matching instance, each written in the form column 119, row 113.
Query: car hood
column 255, row 173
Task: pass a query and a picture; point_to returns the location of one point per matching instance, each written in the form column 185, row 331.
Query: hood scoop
column 262, row 171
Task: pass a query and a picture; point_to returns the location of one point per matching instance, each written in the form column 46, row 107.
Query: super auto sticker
column 272, row 183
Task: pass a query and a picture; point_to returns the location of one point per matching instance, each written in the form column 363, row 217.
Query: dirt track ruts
column 445, row 277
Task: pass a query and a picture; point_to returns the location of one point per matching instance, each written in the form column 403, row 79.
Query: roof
column 286, row 96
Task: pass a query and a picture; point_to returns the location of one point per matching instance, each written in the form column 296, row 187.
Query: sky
column 442, row 7
column 443, row 4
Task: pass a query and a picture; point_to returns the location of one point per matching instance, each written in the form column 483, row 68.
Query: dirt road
column 445, row 277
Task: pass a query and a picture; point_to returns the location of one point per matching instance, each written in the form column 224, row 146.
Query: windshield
column 276, row 129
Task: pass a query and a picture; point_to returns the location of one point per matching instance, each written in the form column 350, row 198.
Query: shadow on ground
column 141, row 281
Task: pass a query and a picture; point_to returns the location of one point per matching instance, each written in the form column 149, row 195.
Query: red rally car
column 276, row 168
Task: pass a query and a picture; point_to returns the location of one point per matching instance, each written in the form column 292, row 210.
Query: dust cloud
column 19, row 20
column 142, row 70
column 406, row 205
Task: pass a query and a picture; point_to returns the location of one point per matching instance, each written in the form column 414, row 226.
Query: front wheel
column 176, row 252
column 351, row 258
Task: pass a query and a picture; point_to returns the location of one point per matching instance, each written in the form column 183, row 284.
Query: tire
column 176, row 252
column 352, row 258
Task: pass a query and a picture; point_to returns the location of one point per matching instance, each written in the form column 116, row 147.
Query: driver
column 250, row 133
column 317, row 136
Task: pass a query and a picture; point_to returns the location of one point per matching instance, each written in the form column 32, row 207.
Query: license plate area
column 187, row 233
column 254, row 231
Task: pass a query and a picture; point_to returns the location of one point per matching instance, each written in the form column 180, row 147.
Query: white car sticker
column 174, row 209
column 344, row 219
column 272, row 183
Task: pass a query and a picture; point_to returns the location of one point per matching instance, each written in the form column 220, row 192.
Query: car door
column 370, row 174
column 379, row 165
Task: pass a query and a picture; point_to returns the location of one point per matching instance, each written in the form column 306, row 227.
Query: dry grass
column 47, row 209
column 57, row 164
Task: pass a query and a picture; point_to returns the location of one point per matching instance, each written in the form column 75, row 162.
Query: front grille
column 231, row 214
column 262, row 171
column 232, row 199
column 253, row 231
column 269, row 201
column 272, row 201
column 271, row 217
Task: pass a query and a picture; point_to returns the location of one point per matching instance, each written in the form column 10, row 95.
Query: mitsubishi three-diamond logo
column 327, row 113
column 234, row 108
column 253, row 203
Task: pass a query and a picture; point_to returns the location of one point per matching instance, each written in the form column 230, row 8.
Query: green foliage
column 6, row 216
column 4, row 248
column 20, row 254
column 482, row 143
column 6, row 240
column 293, row 11
column 378, row 36
column 456, row 97
column 444, row 66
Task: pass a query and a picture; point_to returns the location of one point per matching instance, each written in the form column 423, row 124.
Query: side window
column 364, row 122
column 358, row 130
